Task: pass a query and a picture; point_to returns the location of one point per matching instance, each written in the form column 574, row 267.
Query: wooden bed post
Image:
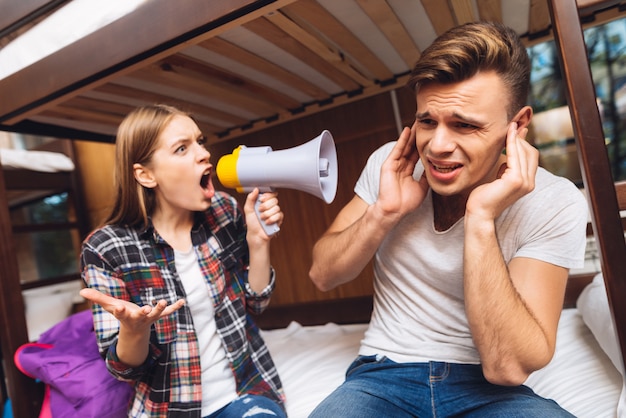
column 593, row 157
column 23, row 391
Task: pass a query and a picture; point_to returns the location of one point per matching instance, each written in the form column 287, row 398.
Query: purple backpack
column 78, row 384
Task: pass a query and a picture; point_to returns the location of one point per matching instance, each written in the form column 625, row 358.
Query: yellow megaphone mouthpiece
column 227, row 170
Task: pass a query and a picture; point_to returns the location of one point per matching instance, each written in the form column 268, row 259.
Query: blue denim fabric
column 378, row 387
column 251, row 406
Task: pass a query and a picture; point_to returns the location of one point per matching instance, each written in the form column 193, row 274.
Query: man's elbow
column 512, row 373
column 505, row 376
column 320, row 280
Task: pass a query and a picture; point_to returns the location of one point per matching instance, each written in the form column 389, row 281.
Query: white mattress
column 312, row 361
column 45, row 161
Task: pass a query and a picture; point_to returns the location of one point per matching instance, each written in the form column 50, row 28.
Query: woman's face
column 180, row 171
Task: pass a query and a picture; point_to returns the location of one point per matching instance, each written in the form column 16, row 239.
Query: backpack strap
column 18, row 361
column 45, row 411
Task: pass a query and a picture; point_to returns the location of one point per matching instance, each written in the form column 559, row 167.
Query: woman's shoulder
column 112, row 236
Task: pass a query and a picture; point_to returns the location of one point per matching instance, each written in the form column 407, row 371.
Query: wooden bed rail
column 18, row 14
column 355, row 310
column 358, row 310
column 620, row 191
column 593, row 158
column 22, row 390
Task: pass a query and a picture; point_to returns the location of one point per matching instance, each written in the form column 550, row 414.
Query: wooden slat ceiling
column 289, row 59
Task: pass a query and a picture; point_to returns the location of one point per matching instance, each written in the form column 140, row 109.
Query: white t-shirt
column 218, row 382
column 419, row 312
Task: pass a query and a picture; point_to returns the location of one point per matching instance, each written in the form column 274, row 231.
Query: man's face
column 460, row 132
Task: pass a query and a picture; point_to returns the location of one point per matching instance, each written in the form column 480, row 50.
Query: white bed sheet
column 312, row 361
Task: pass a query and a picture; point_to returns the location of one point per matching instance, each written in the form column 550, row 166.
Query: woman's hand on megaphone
column 263, row 215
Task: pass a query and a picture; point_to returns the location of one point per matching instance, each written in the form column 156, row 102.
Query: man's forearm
column 339, row 256
column 508, row 337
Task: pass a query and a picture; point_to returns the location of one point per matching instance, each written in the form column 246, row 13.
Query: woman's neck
column 174, row 228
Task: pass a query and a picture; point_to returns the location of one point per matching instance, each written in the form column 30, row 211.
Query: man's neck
column 447, row 210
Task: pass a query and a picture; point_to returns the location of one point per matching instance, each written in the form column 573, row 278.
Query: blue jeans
column 253, row 406
column 378, row 387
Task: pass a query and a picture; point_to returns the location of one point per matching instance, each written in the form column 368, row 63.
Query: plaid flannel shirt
column 138, row 266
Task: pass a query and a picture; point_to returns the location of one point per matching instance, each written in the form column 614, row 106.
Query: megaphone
column 310, row 167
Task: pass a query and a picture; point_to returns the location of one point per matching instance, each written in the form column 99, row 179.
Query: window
column 47, row 238
column 551, row 126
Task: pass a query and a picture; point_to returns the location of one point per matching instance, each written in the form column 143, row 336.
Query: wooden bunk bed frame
column 29, row 185
column 605, row 200
column 23, row 186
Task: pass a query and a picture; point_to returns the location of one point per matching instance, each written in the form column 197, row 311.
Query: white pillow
column 593, row 305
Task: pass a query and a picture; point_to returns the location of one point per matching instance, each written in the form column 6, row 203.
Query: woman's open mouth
column 204, row 180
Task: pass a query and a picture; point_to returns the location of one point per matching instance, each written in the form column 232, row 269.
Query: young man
column 472, row 245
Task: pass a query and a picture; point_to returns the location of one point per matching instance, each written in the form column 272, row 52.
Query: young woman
column 173, row 275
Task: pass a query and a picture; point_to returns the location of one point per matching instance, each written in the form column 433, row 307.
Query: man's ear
column 523, row 117
column 144, row 176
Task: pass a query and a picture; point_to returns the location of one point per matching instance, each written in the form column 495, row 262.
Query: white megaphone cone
column 310, row 167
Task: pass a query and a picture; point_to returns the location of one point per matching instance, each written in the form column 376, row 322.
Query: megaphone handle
column 269, row 229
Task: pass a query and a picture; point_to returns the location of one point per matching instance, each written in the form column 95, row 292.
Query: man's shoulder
column 383, row 151
column 556, row 192
column 547, row 182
